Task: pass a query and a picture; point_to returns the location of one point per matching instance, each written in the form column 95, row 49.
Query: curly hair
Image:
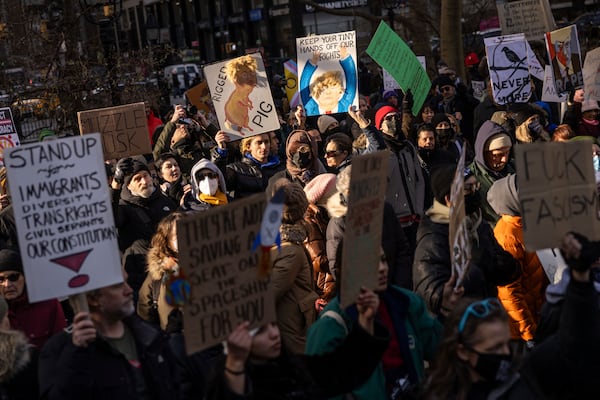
column 329, row 78
column 242, row 70
column 159, row 245
column 448, row 372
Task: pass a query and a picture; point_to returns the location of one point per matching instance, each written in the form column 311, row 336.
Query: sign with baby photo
column 509, row 68
column 327, row 71
column 241, row 96
column 64, row 217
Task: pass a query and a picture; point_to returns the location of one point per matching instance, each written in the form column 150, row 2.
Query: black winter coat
column 100, row 372
column 490, row 266
column 246, row 177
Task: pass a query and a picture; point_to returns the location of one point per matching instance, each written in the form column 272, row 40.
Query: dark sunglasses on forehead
column 210, row 175
column 12, row 277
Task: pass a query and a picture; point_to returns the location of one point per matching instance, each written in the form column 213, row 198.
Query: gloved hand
column 580, row 253
column 124, row 167
column 408, row 102
column 535, row 128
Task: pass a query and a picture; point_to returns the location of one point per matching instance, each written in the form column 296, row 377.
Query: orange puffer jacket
column 523, row 298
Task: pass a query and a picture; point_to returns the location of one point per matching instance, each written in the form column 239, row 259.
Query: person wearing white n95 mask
column 207, row 187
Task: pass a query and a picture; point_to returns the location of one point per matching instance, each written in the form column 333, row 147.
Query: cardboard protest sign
column 362, row 238
column 557, row 192
column 535, row 68
column 64, row 216
column 479, row 91
column 215, row 252
column 6, row 142
column 591, row 74
column 199, row 96
column 327, row 71
column 565, row 58
column 392, row 54
column 460, row 245
column 124, row 129
column 509, row 70
column 290, row 71
column 7, row 124
column 553, row 264
column 241, row 96
column 533, row 18
column 549, row 90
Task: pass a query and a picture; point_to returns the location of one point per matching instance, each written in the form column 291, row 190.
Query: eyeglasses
column 332, row 153
column 209, row 175
column 12, row 278
column 479, row 309
column 446, row 88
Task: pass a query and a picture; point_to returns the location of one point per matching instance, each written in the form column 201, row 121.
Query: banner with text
column 241, row 96
column 64, row 216
column 215, row 252
column 362, row 238
column 7, row 124
column 557, row 192
column 393, row 54
column 533, row 18
column 124, row 129
column 509, row 68
column 327, row 71
column 591, row 74
column 565, row 58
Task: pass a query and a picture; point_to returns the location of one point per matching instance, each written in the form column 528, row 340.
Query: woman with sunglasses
column 474, row 360
column 207, row 188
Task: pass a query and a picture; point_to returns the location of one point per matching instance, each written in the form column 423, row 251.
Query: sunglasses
column 12, row 278
column 391, row 117
column 479, row 309
column 209, row 175
column 446, row 88
column 332, row 153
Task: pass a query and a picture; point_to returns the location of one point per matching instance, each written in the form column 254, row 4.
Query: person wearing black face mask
column 474, row 360
column 302, row 162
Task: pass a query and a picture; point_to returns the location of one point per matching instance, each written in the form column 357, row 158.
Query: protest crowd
column 503, row 327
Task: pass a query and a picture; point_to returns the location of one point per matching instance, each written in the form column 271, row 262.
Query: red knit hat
column 381, row 113
column 471, row 59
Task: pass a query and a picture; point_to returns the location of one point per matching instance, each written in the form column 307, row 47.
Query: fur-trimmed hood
column 295, row 233
column 14, row 354
column 334, row 206
column 204, row 163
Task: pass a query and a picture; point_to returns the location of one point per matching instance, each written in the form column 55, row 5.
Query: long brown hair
column 159, row 245
column 449, row 376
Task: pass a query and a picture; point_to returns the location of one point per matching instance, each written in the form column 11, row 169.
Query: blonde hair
column 329, row 78
column 242, row 70
column 245, row 142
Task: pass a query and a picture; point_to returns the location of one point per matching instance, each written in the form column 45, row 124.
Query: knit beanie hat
column 441, row 181
column 324, row 122
column 444, row 81
column 498, row 141
column 10, row 260
column 294, row 203
column 589, row 105
column 439, row 117
column 389, row 93
column 381, row 113
column 320, row 188
column 522, row 112
column 138, row 166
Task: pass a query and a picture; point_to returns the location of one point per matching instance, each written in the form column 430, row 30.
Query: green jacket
column 419, row 335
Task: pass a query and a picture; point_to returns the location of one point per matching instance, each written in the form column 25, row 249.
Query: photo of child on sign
column 328, row 77
column 241, row 96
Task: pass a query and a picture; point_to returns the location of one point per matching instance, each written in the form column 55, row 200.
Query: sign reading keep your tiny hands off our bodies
column 241, row 96
column 64, row 217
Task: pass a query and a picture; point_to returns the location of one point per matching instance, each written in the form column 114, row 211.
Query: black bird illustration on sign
column 511, row 55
